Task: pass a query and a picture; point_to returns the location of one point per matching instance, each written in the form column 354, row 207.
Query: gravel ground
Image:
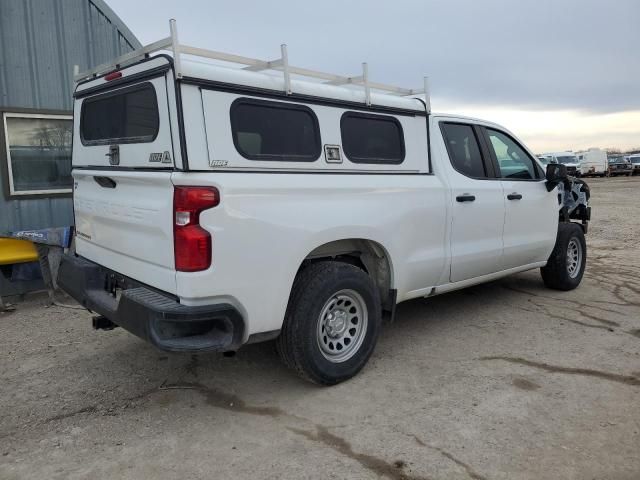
column 506, row 380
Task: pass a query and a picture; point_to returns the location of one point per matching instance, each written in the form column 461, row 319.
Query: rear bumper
column 151, row 315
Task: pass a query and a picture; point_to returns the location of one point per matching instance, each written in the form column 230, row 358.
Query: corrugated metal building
column 40, row 42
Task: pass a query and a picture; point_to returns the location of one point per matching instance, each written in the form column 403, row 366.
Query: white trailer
column 593, row 162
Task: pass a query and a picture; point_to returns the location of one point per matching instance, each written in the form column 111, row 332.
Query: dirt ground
column 506, row 380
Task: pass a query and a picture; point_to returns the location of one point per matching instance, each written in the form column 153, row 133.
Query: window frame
column 489, row 167
column 494, row 159
column 368, row 160
column 233, row 123
column 114, row 93
column 5, row 155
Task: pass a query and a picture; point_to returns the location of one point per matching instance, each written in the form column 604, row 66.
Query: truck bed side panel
column 266, row 224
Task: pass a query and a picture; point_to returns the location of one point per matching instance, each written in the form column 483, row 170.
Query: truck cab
column 568, row 159
column 634, row 159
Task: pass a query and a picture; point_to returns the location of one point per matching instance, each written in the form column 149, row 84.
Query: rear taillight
column 192, row 243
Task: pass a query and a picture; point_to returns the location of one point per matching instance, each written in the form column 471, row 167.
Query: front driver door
column 531, row 212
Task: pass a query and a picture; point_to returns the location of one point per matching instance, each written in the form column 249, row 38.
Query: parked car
column 593, row 162
column 635, row 163
column 567, row 159
column 217, row 207
column 620, row 166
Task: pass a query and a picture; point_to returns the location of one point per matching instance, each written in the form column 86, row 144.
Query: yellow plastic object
column 17, row 251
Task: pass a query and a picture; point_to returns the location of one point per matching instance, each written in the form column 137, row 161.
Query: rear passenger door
column 477, row 204
column 531, row 212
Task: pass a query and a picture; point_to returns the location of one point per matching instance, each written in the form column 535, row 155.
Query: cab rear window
column 128, row 115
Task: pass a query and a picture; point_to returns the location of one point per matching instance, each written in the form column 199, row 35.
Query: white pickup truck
column 221, row 206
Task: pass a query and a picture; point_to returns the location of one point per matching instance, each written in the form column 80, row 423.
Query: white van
column 593, row 162
column 218, row 206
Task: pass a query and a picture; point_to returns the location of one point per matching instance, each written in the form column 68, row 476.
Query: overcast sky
column 562, row 74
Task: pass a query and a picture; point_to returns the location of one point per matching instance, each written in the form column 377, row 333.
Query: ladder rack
column 171, row 44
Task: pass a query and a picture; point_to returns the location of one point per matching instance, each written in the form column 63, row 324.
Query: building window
column 372, row 138
column 275, row 131
column 38, row 153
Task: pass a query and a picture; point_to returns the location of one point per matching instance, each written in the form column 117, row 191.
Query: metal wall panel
column 40, row 42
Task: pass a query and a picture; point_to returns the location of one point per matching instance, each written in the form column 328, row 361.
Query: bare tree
column 52, row 135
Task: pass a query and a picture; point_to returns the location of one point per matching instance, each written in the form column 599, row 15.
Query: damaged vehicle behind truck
column 219, row 206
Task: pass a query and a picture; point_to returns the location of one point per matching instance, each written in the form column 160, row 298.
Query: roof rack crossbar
column 172, row 44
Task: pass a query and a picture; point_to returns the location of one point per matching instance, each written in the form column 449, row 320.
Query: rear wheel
column 332, row 322
column 565, row 267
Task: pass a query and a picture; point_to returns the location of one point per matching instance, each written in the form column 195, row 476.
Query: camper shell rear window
column 128, row 115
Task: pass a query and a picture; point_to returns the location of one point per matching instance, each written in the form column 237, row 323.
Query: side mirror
column 556, row 173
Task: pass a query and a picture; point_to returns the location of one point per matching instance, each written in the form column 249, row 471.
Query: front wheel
column 332, row 322
column 565, row 267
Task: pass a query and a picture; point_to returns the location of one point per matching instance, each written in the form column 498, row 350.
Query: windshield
column 567, row 159
column 635, row 160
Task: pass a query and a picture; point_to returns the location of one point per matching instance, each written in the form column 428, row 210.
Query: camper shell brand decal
column 160, row 157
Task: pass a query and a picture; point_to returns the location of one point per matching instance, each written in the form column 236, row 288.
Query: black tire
column 299, row 343
column 561, row 273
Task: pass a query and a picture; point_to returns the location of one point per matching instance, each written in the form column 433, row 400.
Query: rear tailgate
column 123, row 156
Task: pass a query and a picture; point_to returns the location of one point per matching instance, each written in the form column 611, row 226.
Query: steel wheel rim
column 342, row 326
column 574, row 257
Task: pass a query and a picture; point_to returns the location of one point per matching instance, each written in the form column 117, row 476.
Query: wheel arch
column 369, row 255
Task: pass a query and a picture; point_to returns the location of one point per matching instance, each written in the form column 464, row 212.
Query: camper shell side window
column 376, row 139
column 275, row 131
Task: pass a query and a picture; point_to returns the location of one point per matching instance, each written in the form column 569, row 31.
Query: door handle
column 105, row 182
column 514, row 196
column 465, row 198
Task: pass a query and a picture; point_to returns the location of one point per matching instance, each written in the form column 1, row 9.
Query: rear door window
column 128, row 115
column 464, row 149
